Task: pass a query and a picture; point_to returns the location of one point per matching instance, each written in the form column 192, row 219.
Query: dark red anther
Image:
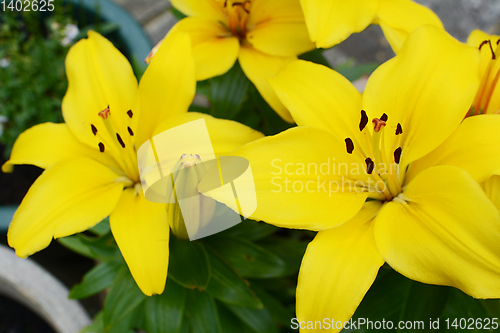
column 399, row 129
column 118, row 137
column 397, row 155
column 370, row 165
column 349, row 145
column 363, row 121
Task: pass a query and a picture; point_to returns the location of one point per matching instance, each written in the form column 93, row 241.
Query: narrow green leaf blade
column 250, row 230
column 202, row 313
column 249, row 259
column 228, row 92
column 226, row 286
column 231, row 323
column 76, row 244
column 315, row 56
column 279, row 313
column 164, row 313
column 188, row 264
column 123, row 298
column 96, row 280
column 259, row 320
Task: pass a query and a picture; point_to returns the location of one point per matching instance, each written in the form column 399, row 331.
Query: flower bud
column 192, row 210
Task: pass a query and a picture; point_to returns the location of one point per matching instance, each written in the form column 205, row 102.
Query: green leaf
column 492, row 306
column 259, row 320
column 164, row 313
column 231, row 323
column 352, row 72
column 226, row 285
column 101, row 228
column 76, row 244
column 248, row 259
column 202, row 313
column 188, row 264
column 290, row 250
column 228, row 92
column 97, row 279
column 315, row 56
column 97, row 325
column 250, row 230
column 101, row 248
column 256, row 113
column 123, row 298
column 460, row 305
column 395, row 298
column 279, row 312
column 178, row 15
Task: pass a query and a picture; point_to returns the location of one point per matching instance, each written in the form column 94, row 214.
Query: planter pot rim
column 29, row 284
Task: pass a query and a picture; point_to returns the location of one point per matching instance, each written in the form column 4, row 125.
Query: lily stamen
column 119, row 147
column 237, row 16
column 488, row 83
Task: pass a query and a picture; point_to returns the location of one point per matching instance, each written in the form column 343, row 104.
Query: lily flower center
column 116, row 139
column 488, row 81
column 237, row 16
column 383, row 169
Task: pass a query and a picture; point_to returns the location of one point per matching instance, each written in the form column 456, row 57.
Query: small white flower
column 70, row 31
column 3, row 120
column 4, row 63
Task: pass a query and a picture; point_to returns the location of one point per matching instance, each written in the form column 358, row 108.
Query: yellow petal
column 446, row 234
column 320, row 97
column 46, row 144
column 399, row 18
column 337, row 270
column 225, row 135
column 259, row 67
column 69, row 197
column 98, row 76
column 474, row 146
column 141, row 231
column 427, row 88
column 331, row 21
column 168, row 86
column 492, row 189
column 278, row 28
column 214, row 49
column 299, row 180
column 201, row 8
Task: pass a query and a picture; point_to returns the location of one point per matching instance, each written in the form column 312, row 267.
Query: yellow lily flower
column 91, row 162
column 263, row 35
column 391, row 176
column 331, row 21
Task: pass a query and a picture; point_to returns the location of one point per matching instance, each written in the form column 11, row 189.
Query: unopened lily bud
column 192, row 210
